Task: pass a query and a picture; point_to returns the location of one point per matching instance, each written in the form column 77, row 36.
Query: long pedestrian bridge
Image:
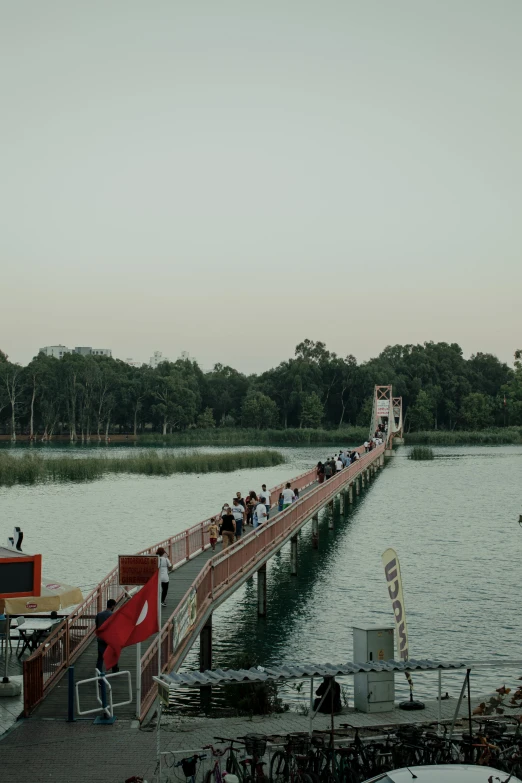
column 201, row 582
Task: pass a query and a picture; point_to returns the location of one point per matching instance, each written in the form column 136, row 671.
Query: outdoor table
column 32, row 631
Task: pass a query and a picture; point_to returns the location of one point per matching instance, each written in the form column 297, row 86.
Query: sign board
column 383, row 407
column 136, row 569
column 185, row 618
column 20, row 574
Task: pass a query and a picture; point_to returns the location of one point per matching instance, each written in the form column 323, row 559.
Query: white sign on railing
column 185, row 618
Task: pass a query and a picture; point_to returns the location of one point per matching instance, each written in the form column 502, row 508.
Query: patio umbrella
column 54, row 595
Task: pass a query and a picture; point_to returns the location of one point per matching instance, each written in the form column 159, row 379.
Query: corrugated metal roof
column 292, row 671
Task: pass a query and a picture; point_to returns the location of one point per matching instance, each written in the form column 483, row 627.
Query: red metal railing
column 219, row 574
column 43, row 668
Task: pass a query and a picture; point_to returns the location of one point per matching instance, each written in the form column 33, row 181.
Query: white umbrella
column 54, row 595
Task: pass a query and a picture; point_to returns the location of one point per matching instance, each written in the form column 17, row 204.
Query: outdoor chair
column 15, row 632
column 3, row 636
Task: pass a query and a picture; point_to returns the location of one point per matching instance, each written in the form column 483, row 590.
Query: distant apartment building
column 55, row 350
column 58, row 351
column 156, row 358
column 133, row 362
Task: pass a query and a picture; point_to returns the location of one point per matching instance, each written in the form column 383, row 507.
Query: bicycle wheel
column 279, row 768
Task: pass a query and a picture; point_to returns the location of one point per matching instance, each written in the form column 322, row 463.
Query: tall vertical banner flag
column 392, row 572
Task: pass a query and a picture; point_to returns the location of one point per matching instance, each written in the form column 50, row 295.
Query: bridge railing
column 229, row 566
column 48, row 662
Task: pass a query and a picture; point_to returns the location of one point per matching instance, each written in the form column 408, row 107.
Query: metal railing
column 47, row 663
column 220, row 574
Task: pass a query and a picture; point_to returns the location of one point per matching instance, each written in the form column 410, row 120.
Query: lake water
column 453, row 522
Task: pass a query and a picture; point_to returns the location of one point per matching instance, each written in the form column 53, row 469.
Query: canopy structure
column 297, row 671
column 54, row 595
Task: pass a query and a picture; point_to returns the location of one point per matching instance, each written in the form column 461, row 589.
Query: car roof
column 444, row 773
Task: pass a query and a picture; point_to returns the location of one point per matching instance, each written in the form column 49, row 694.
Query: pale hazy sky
column 228, row 178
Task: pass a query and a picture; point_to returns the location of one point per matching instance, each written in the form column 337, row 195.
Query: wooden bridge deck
column 54, row 704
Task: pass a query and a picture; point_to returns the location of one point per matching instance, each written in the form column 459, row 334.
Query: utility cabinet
column 373, row 691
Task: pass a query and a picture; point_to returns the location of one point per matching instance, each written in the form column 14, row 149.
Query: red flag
column 134, row 622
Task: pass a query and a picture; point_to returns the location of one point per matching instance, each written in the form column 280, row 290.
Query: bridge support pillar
column 293, row 555
column 331, row 515
column 357, row 485
column 341, row 502
column 205, row 662
column 315, row 531
column 362, row 480
column 350, row 494
column 382, row 461
column 261, row 591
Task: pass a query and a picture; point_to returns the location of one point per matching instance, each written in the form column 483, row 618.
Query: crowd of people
column 332, row 465
column 251, row 511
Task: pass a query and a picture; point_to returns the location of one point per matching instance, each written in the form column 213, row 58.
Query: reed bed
column 235, row 436
column 421, row 453
column 490, row 437
column 33, row 468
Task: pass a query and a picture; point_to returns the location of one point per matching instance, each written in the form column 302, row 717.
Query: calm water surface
column 453, row 522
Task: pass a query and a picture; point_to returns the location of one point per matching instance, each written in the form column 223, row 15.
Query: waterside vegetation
column 421, row 453
column 35, row 468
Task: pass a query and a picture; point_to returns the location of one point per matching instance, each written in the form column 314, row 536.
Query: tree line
column 88, row 397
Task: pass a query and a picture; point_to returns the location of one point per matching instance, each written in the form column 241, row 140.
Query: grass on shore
column 421, row 453
column 33, row 468
column 235, row 436
column 491, row 437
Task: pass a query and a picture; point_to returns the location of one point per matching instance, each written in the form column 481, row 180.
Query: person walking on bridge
column 228, row 529
column 238, row 512
column 320, row 472
column 264, row 497
column 288, row 496
column 165, row 568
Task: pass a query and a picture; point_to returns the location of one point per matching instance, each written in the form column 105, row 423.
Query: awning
column 54, row 596
column 296, row 671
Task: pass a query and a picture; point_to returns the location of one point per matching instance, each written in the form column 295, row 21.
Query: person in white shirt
column 338, row 465
column 264, row 495
column 165, row 567
column 366, row 444
column 261, row 514
column 288, row 496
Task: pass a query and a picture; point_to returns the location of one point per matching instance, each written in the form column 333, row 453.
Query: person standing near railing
column 165, row 567
column 102, row 646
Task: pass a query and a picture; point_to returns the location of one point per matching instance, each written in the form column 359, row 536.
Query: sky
column 229, row 178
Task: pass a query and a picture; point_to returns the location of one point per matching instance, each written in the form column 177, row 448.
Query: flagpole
column 159, row 621
column 138, row 680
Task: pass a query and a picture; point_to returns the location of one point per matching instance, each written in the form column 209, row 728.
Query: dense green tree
column 258, row 411
column 312, row 410
column 88, row 396
column 476, row 411
column 205, row 420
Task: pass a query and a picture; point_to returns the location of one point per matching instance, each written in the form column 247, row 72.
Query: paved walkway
column 39, row 751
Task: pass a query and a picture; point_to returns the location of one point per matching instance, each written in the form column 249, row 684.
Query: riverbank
column 500, row 436
column 35, row 468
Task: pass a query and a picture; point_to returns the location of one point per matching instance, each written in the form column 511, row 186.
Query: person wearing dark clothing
column 320, row 472
column 102, row 646
column 332, row 700
column 228, row 530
